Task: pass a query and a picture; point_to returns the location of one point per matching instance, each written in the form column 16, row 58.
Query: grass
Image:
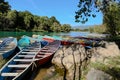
column 59, row 70
column 112, row 67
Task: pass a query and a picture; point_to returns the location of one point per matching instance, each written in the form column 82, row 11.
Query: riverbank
column 75, row 62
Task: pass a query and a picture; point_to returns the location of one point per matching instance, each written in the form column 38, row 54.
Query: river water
column 72, row 33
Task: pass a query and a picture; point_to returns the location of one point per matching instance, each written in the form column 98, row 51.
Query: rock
column 110, row 49
column 66, row 57
column 69, row 59
column 94, row 74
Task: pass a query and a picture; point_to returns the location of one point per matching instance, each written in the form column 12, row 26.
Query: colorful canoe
column 18, row 66
column 7, row 47
column 46, row 53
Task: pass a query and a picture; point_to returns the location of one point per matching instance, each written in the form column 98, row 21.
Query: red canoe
column 66, row 42
column 46, row 53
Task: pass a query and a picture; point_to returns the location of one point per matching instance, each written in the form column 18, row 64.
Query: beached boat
column 21, row 63
column 87, row 38
column 26, row 40
column 46, row 53
column 69, row 42
column 7, row 47
column 62, row 40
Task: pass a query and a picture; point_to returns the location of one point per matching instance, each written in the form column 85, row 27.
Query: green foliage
column 11, row 17
column 12, row 20
column 88, row 8
column 4, row 6
column 111, row 67
column 109, row 8
column 55, row 27
column 98, row 29
column 66, row 27
column 112, row 19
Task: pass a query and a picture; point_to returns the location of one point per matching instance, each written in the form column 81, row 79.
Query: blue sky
column 63, row 10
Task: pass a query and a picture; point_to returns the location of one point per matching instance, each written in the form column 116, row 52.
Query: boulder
column 69, row 58
column 94, row 74
column 110, row 49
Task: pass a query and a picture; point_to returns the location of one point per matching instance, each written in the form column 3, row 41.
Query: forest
column 13, row 20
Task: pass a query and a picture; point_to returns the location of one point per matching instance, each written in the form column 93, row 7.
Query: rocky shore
column 75, row 62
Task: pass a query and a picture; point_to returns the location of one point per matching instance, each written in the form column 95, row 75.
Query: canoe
column 62, row 40
column 7, row 47
column 46, row 53
column 65, row 41
column 18, row 66
column 47, row 38
column 93, row 39
column 68, row 42
column 26, row 40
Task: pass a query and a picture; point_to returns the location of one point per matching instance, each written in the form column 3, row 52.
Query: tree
column 4, row 6
column 28, row 20
column 12, row 18
column 53, row 19
column 56, row 27
column 88, row 8
column 66, row 27
column 112, row 19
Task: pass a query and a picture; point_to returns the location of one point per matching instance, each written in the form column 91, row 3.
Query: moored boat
column 7, row 47
column 46, row 53
column 26, row 40
column 17, row 67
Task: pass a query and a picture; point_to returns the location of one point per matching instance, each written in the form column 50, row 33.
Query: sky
column 63, row 10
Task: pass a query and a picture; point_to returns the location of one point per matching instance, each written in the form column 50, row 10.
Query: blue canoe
column 18, row 66
column 7, row 47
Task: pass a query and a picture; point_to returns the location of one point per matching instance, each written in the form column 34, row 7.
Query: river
column 72, row 33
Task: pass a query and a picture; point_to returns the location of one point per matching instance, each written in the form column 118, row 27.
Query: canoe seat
column 33, row 48
column 9, row 74
column 28, row 56
column 89, row 47
column 45, row 53
column 29, row 52
column 3, row 51
column 19, row 66
column 40, row 55
column 23, row 60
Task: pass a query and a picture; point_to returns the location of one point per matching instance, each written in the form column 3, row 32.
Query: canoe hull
column 44, row 60
column 46, row 54
column 8, row 52
column 18, row 66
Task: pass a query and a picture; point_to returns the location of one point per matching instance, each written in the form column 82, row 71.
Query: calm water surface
column 19, row 34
